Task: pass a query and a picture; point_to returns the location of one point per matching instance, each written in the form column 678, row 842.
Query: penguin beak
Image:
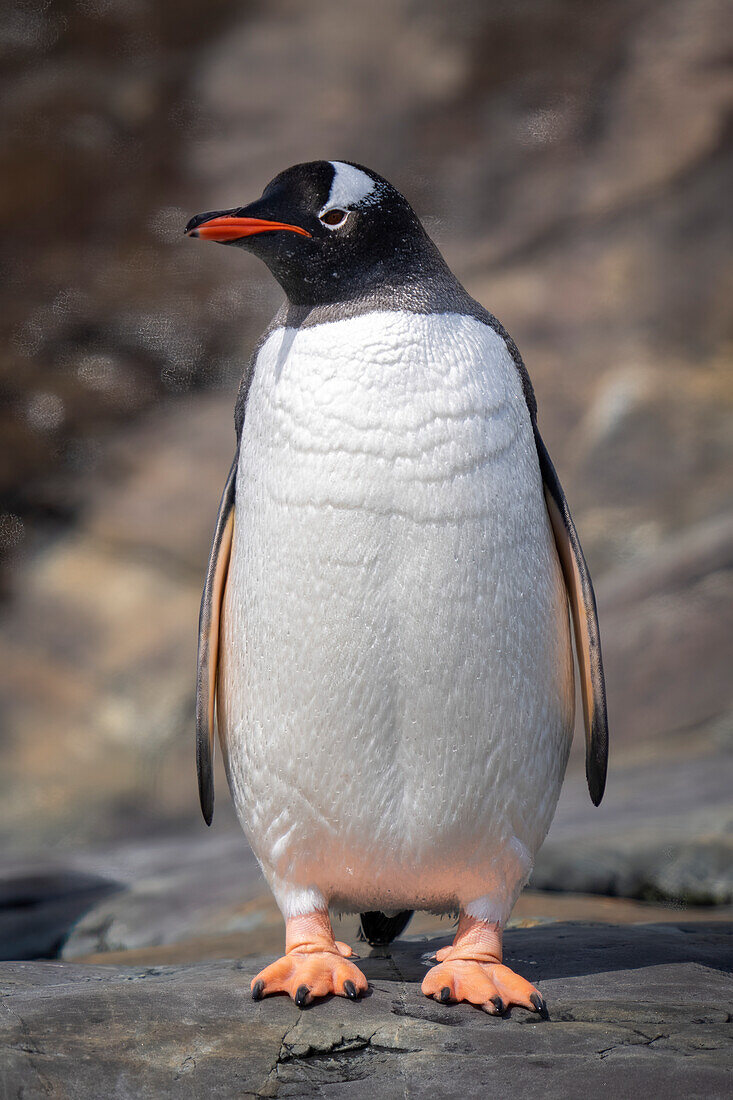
column 228, row 226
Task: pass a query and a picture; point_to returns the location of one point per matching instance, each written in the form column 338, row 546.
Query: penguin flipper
column 208, row 647
column 585, row 625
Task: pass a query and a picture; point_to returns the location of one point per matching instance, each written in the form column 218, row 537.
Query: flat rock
column 38, row 906
column 632, row 1009
column 664, row 831
column 166, row 889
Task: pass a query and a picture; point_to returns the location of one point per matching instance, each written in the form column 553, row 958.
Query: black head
column 329, row 231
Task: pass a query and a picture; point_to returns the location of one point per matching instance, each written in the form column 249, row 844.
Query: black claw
column 498, row 1004
column 539, row 1003
column 301, row 997
column 350, row 989
column 444, row 995
column 257, row 989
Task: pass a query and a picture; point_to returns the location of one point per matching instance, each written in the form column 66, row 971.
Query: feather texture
column 396, row 677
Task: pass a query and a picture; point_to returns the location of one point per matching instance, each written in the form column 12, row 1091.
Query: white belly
column 397, row 695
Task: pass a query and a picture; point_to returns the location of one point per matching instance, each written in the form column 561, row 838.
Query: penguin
column 384, row 630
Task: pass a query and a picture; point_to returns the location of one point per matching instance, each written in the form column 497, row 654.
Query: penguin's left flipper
column 208, row 648
column 585, row 624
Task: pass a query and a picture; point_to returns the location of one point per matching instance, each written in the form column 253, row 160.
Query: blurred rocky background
column 574, row 162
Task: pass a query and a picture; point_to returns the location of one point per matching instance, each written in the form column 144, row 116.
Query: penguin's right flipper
column 208, row 649
column 585, row 624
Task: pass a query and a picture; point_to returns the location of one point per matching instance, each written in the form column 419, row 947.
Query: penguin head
column 329, row 231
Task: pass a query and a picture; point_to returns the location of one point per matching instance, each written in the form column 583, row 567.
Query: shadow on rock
column 37, row 911
column 574, row 950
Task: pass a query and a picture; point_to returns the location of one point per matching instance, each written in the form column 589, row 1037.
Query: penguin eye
column 334, row 218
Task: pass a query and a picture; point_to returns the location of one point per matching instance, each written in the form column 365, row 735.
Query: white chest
column 390, row 412
column 396, row 676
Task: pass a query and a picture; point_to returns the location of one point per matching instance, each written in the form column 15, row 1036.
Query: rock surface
column 633, row 1010
column 167, row 889
column 38, row 906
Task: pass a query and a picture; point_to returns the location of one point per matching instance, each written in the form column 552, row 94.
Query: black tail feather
column 378, row 930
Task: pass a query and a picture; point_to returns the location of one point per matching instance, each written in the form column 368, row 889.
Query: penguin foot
column 314, row 965
column 491, row 986
column 471, row 970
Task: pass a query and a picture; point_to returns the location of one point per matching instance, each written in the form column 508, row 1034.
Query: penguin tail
column 379, row 930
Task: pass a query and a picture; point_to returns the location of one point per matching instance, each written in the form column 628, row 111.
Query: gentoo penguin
column 384, row 625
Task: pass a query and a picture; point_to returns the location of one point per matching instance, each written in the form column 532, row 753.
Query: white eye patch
column 349, row 186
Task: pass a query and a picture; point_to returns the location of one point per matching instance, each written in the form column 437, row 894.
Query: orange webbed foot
column 471, row 970
column 305, row 976
column 491, row 986
column 314, row 965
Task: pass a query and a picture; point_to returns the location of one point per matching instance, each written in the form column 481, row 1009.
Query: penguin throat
column 386, row 277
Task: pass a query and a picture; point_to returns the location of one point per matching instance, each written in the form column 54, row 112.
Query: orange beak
column 228, row 228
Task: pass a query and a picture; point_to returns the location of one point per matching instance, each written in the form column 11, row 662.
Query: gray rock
column 645, row 866
column 667, row 624
column 665, row 827
column 173, row 887
column 648, row 865
column 131, row 895
column 39, row 906
column 635, row 1008
column 646, row 853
